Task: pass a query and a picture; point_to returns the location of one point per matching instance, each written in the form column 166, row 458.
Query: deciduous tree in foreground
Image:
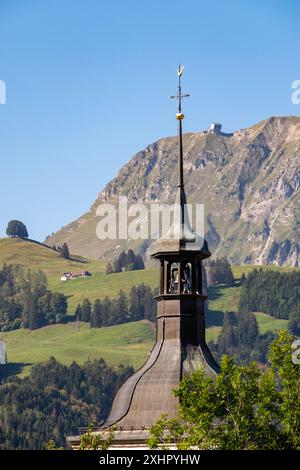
column 243, row 408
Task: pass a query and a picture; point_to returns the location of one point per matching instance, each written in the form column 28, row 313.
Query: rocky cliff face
column 248, row 181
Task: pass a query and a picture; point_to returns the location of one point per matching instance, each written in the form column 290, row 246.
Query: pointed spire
column 180, row 117
column 181, row 226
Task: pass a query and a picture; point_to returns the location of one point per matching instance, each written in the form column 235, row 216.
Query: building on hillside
column 216, row 128
column 180, row 346
column 3, row 357
column 74, row 275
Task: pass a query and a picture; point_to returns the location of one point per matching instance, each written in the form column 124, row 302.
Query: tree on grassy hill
column 32, row 317
column 65, row 253
column 108, row 311
column 122, row 307
column 16, row 228
column 96, row 316
column 109, row 269
column 78, row 313
column 86, row 310
column 59, row 306
column 117, row 266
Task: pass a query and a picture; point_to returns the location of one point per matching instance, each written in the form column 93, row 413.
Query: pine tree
column 130, row 258
column 31, row 317
column 107, row 311
column 122, row 308
column 65, row 251
column 96, row 317
column 109, row 269
column 86, row 310
column 117, row 267
column 59, row 306
column 78, row 313
column 139, row 263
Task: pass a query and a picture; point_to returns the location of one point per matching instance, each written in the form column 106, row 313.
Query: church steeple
column 180, row 346
column 181, row 228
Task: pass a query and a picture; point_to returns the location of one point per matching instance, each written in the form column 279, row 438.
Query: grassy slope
column 102, row 284
column 34, row 256
column 37, row 256
column 223, row 299
column 129, row 343
column 126, row 344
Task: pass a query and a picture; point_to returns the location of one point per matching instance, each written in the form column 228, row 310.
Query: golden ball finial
column 179, row 116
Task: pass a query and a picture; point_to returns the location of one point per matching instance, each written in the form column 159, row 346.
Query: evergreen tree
column 65, row 251
column 107, row 311
column 31, row 317
column 117, row 266
column 96, row 317
column 123, row 259
column 78, row 313
column 139, row 263
column 134, row 304
column 122, row 308
column 59, row 306
column 109, row 269
column 294, row 322
column 86, row 310
column 149, row 305
column 240, row 339
column 130, row 258
column 130, row 267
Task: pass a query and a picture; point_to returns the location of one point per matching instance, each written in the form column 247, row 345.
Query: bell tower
column 180, row 346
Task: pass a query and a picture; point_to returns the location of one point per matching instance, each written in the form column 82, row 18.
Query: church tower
column 180, row 346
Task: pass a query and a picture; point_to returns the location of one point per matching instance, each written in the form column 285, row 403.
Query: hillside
column 128, row 343
column 34, row 255
column 121, row 344
column 249, row 182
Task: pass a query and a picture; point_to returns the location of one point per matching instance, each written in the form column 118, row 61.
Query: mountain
column 248, row 181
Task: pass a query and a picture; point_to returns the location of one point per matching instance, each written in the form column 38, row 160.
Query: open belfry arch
column 180, row 346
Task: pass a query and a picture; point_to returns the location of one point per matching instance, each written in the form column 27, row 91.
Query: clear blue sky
column 88, row 84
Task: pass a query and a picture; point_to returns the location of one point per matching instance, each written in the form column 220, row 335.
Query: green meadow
column 128, row 343
column 121, row 344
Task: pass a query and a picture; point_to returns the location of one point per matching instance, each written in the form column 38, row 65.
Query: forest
column 241, row 340
column 26, row 302
column 54, row 401
column 139, row 305
column 275, row 293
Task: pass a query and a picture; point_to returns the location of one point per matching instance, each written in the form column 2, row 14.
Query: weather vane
column 179, row 96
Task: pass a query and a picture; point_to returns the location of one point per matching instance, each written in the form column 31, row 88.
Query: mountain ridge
column 248, row 181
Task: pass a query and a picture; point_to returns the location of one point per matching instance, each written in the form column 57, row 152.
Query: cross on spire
column 179, row 96
column 180, row 117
